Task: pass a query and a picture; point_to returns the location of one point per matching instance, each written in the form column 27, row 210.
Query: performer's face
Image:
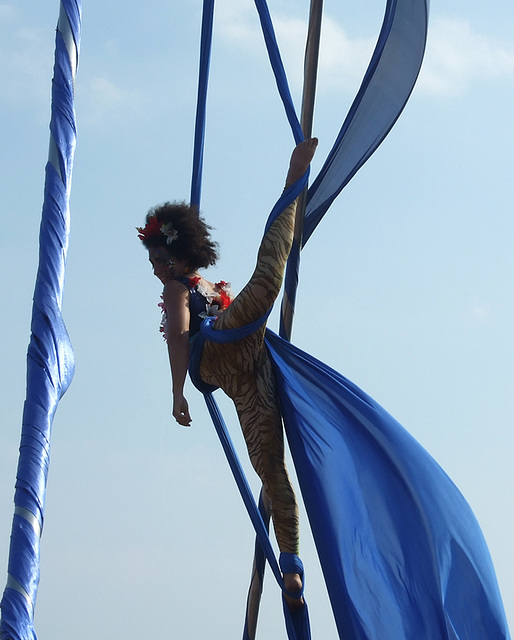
column 165, row 266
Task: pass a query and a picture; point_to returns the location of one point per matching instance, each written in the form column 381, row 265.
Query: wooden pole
column 310, row 68
column 310, row 74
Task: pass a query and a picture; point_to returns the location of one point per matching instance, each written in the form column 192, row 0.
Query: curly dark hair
column 193, row 242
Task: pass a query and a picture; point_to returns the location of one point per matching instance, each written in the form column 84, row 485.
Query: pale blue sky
column 406, row 288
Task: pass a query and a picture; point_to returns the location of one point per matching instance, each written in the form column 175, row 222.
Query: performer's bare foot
column 293, row 582
column 301, row 159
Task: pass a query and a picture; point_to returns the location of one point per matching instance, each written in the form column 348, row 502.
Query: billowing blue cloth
column 297, row 623
column 382, row 96
column 402, row 553
column 385, row 89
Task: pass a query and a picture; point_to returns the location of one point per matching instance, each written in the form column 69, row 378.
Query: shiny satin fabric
column 50, row 360
column 402, row 553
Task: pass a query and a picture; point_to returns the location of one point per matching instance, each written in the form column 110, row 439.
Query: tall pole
column 50, row 361
column 310, row 74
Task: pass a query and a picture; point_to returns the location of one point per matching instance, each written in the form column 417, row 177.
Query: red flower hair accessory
column 152, row 228
column 155, row 228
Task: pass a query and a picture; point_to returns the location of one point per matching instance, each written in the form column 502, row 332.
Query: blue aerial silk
column 50, row 360
column 384, row 92
column 201, row 102
column 402, row 553
column 297, row 623
column 382, row 96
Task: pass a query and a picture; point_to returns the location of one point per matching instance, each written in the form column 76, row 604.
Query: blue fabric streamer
column 50, row 361
column 278, row 69
column 385, row 89
column 402, row 553
column 297, row 623
column 201, row 105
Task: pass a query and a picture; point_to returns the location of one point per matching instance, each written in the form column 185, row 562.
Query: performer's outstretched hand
column 300, row 160
column 181, row 410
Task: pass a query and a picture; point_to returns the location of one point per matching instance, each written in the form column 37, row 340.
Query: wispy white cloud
column 342, row 62
column 457, row 56
column 236, row 22
column 26, row 69
column 25, row 63
column 101, row 100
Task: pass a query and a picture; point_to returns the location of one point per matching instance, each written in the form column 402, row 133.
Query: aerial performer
column 179, row 244
column 402, row 554
column 401, row 551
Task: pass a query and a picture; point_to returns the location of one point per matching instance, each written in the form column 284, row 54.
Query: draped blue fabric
column 297, row 623
column 278, row 69
column 402, row 553
column 50, row 362
column 385, row 89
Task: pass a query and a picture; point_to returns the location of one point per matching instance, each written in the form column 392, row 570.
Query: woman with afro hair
column 179, row 245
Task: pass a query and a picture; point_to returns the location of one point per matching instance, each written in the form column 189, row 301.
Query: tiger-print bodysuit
column 243, row 370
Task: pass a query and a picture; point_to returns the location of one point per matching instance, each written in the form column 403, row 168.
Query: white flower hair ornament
column 169, row 232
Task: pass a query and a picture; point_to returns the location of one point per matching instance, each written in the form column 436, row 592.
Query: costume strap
column 207, row 332
column 230, row 335
column 291, row 563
